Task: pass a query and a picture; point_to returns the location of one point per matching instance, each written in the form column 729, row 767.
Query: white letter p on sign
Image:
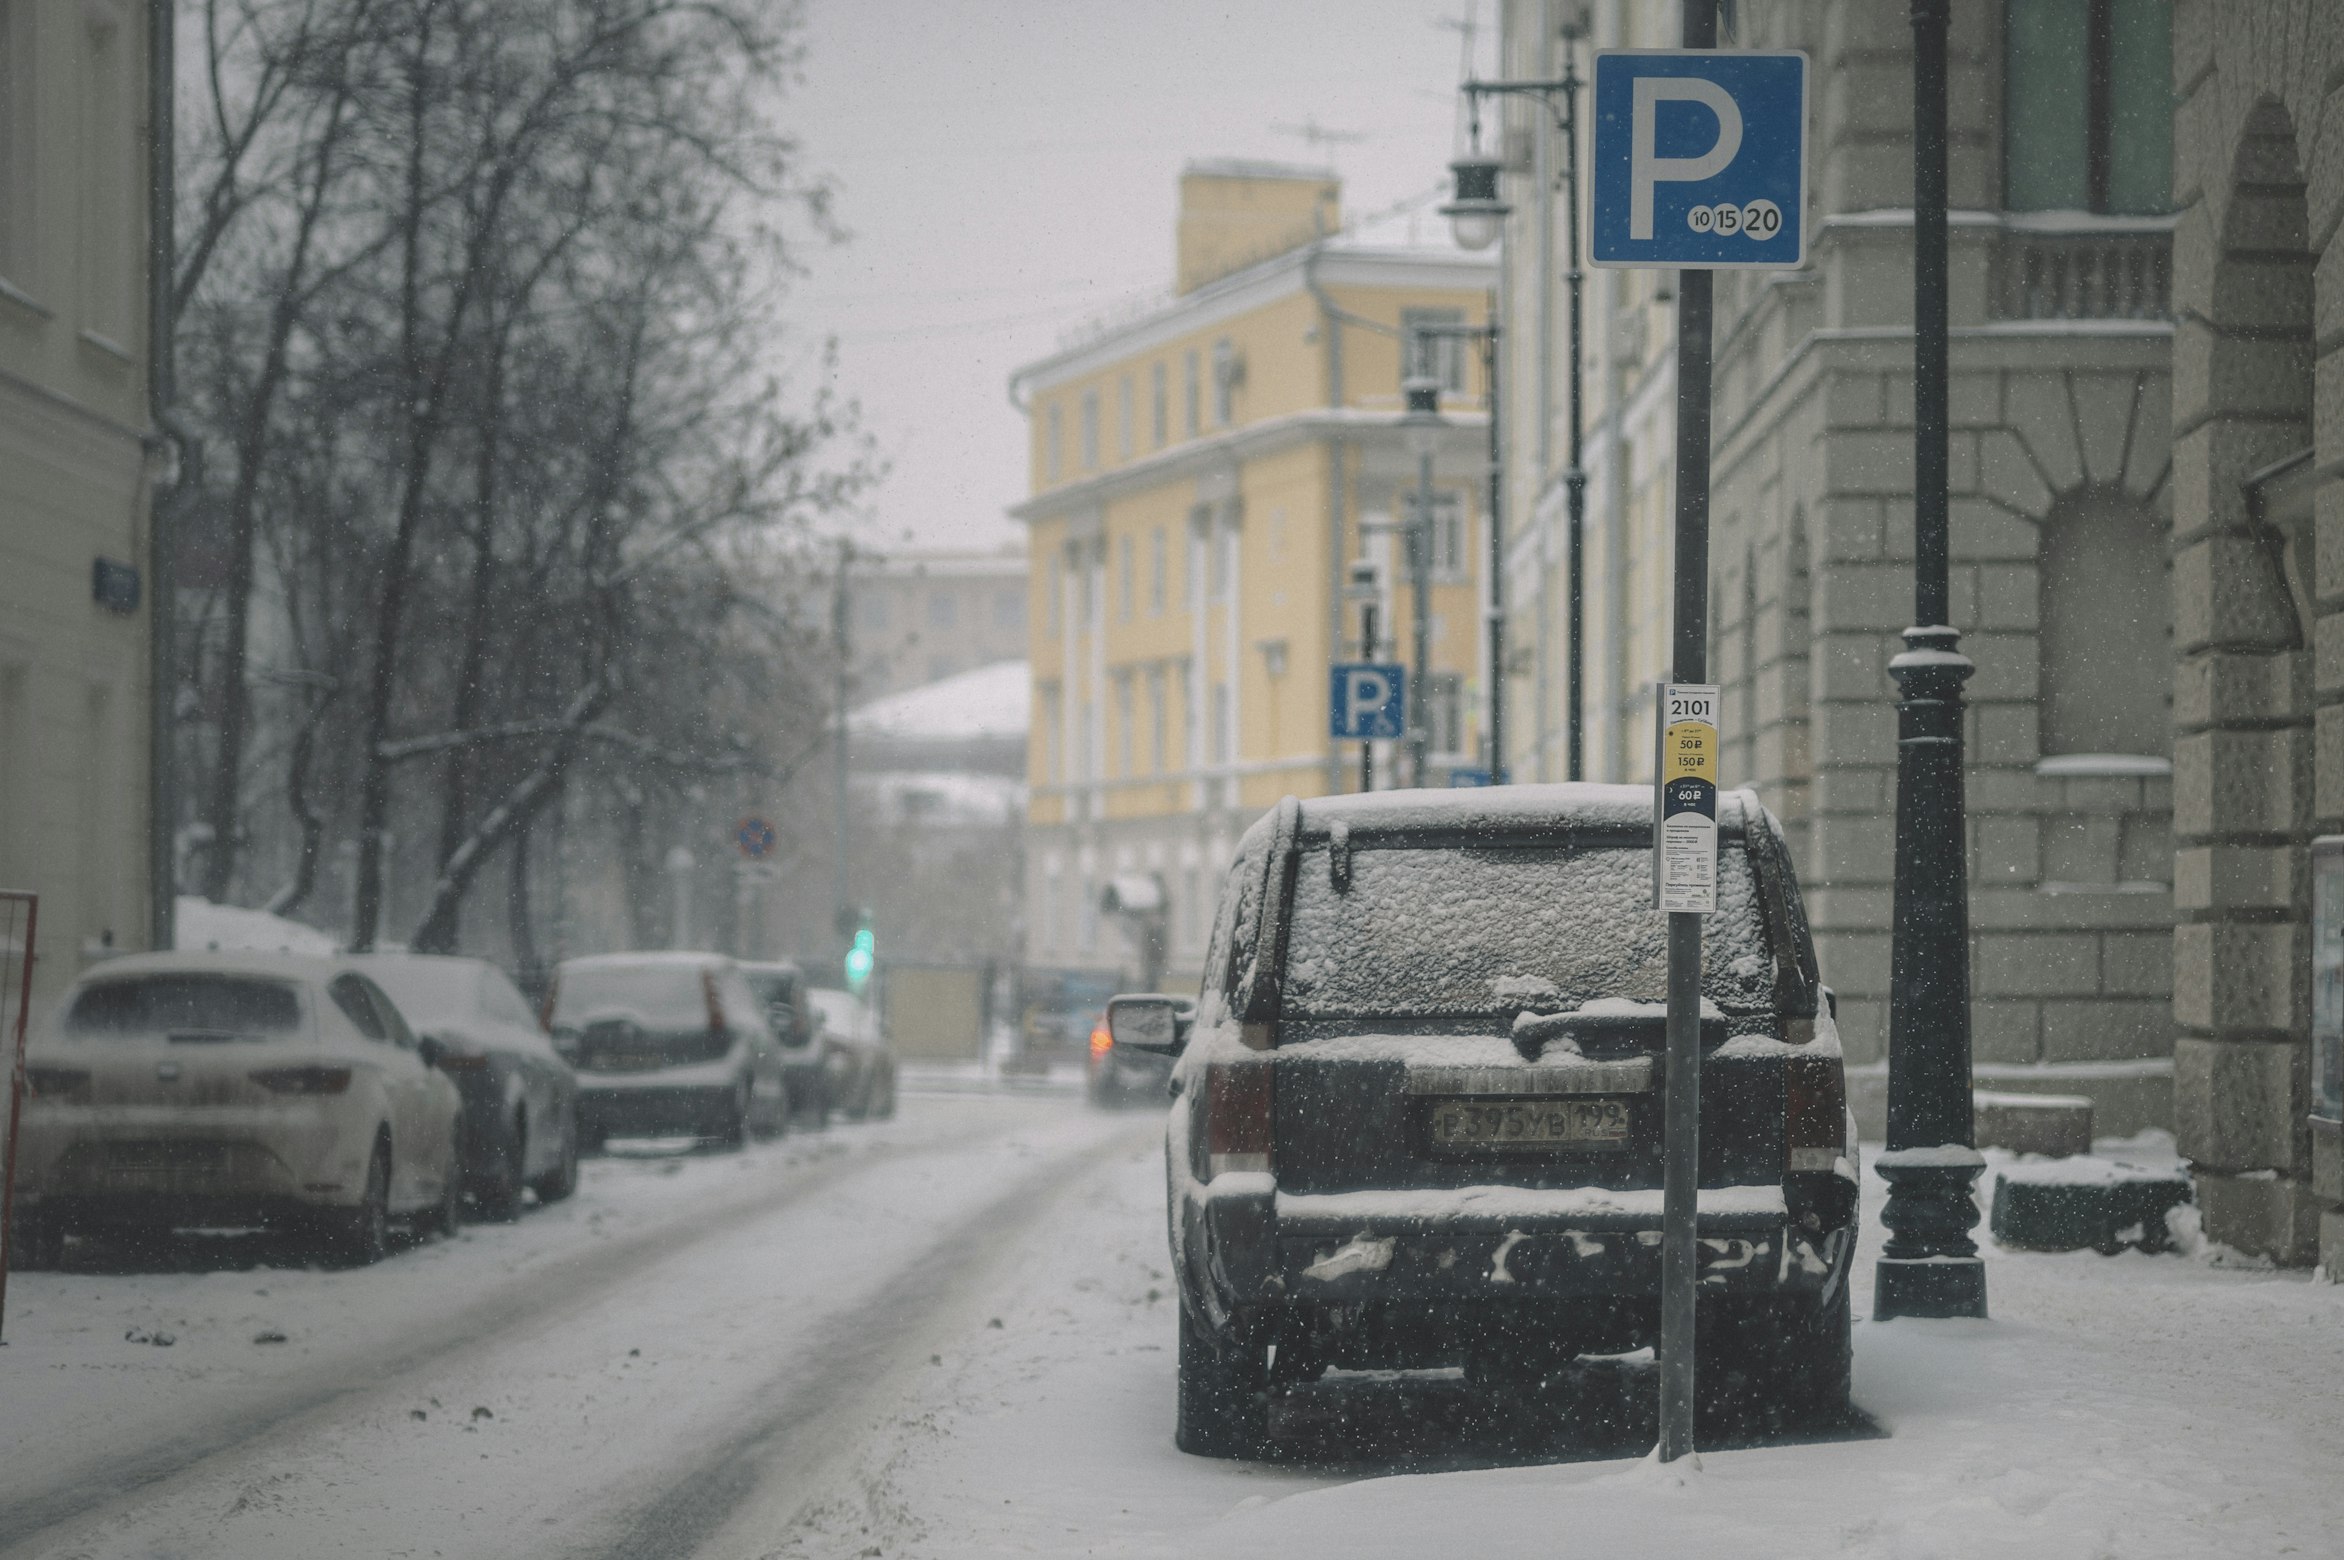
column 1645, row 169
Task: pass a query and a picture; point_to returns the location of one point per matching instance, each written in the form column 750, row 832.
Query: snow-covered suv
column 1417, row 1107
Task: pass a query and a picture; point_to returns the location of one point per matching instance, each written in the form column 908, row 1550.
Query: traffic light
column 860, row 956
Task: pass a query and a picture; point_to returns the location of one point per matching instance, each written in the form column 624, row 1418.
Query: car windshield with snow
column 1417, row 1114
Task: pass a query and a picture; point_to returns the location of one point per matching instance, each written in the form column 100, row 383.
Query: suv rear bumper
column 1502, row 1245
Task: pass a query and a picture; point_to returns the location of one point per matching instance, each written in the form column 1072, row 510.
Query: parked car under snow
column 520, row 1097
column 1417, row 1112
column 173, row 1090
column 668, row 1044
column 856, row 1052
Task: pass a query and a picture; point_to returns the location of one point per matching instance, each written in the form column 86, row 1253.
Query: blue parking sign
column 1699, row 159
column 1367, row 702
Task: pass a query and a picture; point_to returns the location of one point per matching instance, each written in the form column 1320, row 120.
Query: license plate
column 1529, row 1124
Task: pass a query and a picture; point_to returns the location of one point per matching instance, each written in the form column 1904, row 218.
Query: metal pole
column 1575, row 477
column 1497, row 555
column 838, row 757
column 1929, row 1265
column 1689, row 663
column 1367, row 648
column 162, row 586
column 1420, row 630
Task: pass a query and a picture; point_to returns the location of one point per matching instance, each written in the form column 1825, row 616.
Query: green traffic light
column 861, row 957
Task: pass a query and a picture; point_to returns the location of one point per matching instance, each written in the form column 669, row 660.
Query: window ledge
column 2103, row 766
column 2130, row 886
column 106, row 345
column 11, row 293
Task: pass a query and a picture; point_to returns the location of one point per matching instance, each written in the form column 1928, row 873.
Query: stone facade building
column 2062, row 484
column 75, row 477
column 2258, row 564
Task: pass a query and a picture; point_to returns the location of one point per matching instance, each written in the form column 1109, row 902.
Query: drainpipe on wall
column 171, row 441
column 1338, row 566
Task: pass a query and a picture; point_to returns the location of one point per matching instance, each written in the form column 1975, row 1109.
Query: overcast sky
column 1008, row 168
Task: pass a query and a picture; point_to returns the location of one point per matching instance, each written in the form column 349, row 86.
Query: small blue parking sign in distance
column 1700, row 159
column 1368, row 702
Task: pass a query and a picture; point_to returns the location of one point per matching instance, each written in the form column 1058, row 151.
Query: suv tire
column 1787, row 1360
column 1224, row 1398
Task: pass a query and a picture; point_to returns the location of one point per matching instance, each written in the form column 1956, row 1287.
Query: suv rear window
column 1468, row 931
column 192, row 1004
column 662, row 996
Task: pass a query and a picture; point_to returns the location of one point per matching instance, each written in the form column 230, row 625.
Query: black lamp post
column 1421, row 424
column 1930, row 1265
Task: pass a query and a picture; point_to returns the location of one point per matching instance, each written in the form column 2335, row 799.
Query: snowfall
column 952, row 1335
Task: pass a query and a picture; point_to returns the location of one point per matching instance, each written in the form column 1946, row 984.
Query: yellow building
column 1204, row 475
column 75, row 476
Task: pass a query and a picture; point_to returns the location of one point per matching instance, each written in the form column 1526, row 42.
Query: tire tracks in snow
column 857, row 1367
column 534, row 1299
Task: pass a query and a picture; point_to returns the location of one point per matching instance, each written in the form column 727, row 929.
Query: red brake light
column 716, row 1024
column 1102, row 1039
column 1815, row 1105
column 1238, row 1106
column 303, row 1080
column 56, row 1082
column 553, row 992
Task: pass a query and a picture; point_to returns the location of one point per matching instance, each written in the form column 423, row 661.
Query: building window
column 874, row 613
column 942, row 610
column 1090, row 430
column 1156, row 737
column 1054, row 590
column 1443, row 357
column 1053, row 756
column 1224, row 384
column 1162, row 408
column 1156, row 566
column 1125, row 727
column 2107, row 629
column 18, row 153
column 1444, row 713
column 1125, row 568
column 108, row 179
column 1192, row 390
column 2088, row 106
column 941, row 667
column 1053, row 444
column 1220, row 733
column 1009, row 609
column 1187, row 715
column 1126, row 431
column 1448, row 537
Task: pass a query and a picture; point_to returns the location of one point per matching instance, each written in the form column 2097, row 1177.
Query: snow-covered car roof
column 287, row 966
column 655, row 959
column 1623, row 811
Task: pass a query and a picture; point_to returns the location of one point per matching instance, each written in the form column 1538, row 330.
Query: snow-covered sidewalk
column 2129, row 1407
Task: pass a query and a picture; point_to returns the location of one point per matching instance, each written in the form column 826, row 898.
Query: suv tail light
column 54, row 1083
column 1102, row 1040
column 1238, row 1102
column 1815, row 1102
column 715, row 1002
column 303, row 1080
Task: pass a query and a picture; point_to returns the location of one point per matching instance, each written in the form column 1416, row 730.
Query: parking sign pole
column 1689, row 663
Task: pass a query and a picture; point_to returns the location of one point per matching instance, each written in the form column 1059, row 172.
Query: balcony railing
column 2089, row 268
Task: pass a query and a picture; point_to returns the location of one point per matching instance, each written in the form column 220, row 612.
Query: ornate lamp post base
column 1930, row 1266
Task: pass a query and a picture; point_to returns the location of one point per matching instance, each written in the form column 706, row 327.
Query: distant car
column 1417, row 1109
column 861, row 1062
column 797, row 1028
column 171, row 1090
column 1125, row 1076
column 520, row 1097
column 668, row 1044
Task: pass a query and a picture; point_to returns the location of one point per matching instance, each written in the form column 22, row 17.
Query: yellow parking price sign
column 1684, row 856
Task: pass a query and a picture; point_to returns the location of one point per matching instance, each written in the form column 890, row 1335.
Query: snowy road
column 951, row 1336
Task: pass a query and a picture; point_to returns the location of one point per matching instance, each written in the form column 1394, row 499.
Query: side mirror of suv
column 1154, row 1024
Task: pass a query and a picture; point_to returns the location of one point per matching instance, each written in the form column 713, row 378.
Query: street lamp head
column 1422, row 421
column 1477, row 217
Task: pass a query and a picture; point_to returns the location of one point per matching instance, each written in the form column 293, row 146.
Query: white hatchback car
column 209, row 1089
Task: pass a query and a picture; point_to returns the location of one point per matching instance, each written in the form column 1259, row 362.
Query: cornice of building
column 1332, row 262
column 1247, row 442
